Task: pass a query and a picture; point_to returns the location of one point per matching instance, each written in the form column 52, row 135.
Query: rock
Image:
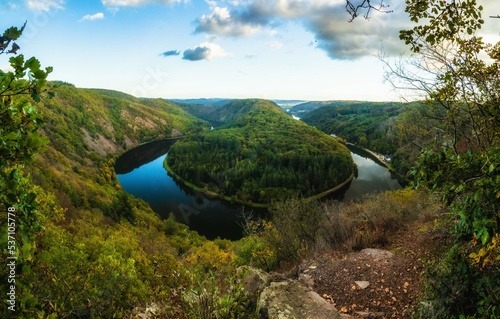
column 254, row 280
column 307, row 280
column 362, row 284
column 291, row 299
column 377, row 254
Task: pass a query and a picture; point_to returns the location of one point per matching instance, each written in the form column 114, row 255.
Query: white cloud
column 343, row 40
column 91, row 17
column 44, row 5
column 221, row 22
column 204, row 51
column 326, row 19
column 136, row 3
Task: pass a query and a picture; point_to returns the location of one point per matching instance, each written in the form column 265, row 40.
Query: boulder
column 377, row 254
column 291, row 299
column 253, row 280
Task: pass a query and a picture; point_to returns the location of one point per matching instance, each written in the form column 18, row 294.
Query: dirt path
column 375, row 283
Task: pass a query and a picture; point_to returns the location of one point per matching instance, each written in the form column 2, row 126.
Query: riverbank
column 378, row 158
column 233, row 200
column 208, row 193
column 336, row 188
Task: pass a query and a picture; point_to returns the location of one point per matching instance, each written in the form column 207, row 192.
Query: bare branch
column 354, row 10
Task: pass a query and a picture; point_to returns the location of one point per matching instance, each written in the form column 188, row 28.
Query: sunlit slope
column 87, row 127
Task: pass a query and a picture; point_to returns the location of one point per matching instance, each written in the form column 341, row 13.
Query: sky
column 272, row 49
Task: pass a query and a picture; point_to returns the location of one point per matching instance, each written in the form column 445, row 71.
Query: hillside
column 368, row 124
column 262, row 154
column 232, row 111
column 303, row 108
column 210, row 109
column 86, row 127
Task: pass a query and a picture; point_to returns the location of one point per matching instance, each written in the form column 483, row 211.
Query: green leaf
column 491, row 169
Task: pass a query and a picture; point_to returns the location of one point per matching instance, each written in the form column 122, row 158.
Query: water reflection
column 209, row 217
column 372, row 177
column 141, row 173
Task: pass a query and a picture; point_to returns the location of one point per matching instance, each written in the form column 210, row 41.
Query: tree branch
column 367, row 6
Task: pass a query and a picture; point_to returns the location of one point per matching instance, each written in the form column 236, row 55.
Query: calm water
column 141, row 173
column 372, row 177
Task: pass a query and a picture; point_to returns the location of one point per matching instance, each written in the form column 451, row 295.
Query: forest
column 260, row 155
column 367, row 124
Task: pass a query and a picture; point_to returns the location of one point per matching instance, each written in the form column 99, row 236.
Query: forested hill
column 105, row 121
column 223, row 112
column 236, row 109
column 262, row 155
column 368, row 124
column 302, row 108
column 85, row 127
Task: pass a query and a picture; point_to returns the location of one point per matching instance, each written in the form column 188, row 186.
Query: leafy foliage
column 20, row 141
column 297, row 228
column 461, row 162
column 447, row 20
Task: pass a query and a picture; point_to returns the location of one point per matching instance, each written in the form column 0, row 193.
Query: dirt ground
column 376, row 283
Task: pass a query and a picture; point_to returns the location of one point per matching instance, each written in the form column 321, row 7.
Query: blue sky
column 275, row 49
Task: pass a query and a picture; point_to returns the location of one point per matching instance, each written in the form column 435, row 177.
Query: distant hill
column 221, row 101
column 302, row 108
column 209, row 109
column 203, row 101
column 198, row 110
column 368, row 124
column 260, row 154
column 288, row 103
column 233, row 110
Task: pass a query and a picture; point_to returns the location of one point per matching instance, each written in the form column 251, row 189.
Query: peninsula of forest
column 263, row 154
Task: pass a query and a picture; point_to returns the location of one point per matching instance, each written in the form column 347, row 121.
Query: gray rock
column 291, row 299
column 253, row 280
column 377, row 254
column 362, row 284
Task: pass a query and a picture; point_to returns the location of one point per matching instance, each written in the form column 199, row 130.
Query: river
column 141, row 173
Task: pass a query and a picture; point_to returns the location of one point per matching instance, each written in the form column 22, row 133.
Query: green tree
column 461, row 156
column 20, row 141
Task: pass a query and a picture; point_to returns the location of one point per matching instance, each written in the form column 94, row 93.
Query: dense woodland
column 86, row 249
column 368, row 124
column 392, row 128
column 261, row 155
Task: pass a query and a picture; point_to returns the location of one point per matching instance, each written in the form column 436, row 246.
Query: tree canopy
column 262, row 155
column 458, row 134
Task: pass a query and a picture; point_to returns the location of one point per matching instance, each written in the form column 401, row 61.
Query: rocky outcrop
column 253, row 280
column 292, row 299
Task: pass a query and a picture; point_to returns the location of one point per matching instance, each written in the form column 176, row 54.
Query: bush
column 456, row 288
column 299, row 228
column 216, row 295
